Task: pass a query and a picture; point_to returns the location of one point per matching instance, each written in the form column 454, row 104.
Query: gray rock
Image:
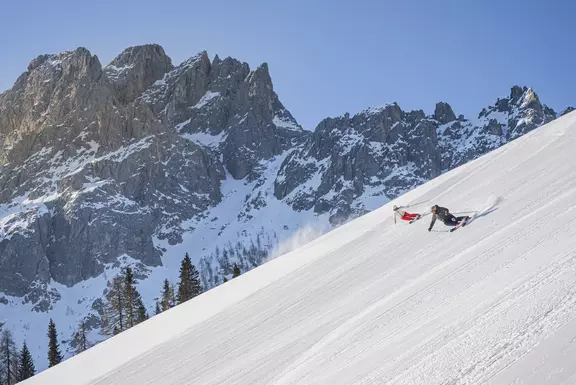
column 443, row 113
column 226, row 99
column 93, row 165
column 349, row 155
column 136, row 69
column 388, row 151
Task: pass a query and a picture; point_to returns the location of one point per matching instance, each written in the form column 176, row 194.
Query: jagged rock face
column 88, row 176
column 508, row 119
column 345, row 156
column 97, row 162
column 387, row 151
column 444, row 113
column 567, row 111
column 136, row 69
column 228, row 102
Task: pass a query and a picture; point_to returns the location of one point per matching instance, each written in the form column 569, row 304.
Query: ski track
column 370, row 303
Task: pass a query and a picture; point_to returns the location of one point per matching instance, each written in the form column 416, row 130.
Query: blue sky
column 327, row 57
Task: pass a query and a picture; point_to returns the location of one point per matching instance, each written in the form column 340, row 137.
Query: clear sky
column 327, row 57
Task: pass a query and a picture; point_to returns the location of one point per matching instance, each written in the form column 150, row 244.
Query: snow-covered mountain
column 140, row 161
column 371, row 303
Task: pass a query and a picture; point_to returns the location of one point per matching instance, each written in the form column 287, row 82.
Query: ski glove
column 429, row 229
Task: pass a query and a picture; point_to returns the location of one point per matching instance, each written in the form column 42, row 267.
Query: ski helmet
column 395, row 208
column 434, row 209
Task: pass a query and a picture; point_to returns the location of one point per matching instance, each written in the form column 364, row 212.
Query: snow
column 113, row 72
column 115, row 68
column 369, row 303
column 180, row 126
column 314, row 180
column 160, row 82
column 161, row 88
column 243, row 118
column 281, row 122
column 124, row 153
column 75, row 303
column 376, row 110
column 205, row 139
column 18, row 217
column 53, row 63
column 528, row 97
column 349, row 141
column 499, row 116
column 276, row 216
column 207, row 98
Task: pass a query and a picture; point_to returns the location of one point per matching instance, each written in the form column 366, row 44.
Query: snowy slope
column 494, row 302
column 341, row 294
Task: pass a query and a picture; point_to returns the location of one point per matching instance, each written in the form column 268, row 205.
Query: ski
column 414, row 220
column 461, row 224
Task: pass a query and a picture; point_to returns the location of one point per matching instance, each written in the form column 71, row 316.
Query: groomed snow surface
column 371, row 303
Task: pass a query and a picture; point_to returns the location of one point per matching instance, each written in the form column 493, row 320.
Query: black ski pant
column 451, row 220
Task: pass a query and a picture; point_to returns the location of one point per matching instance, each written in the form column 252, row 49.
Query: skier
column 444, row 215
column 403, row 214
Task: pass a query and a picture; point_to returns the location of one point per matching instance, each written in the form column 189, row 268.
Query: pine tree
column 225, row 262
column 172, row 296
column 129, row 298
column 133, row 300
column 158, row 310
column 54, row 355
column 235, row 271
column 196, row 284
column 8, row 359
column 142, row 314
column 184, row 285
column 26, row 367
column 168, row 300
column 114, row 317
column 80, row 338
column 189, row 285
column 258, row 242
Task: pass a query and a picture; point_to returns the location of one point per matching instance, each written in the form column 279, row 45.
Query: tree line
column 248, row 257
column 123, row 309
column 18, row 365
column 189, row 286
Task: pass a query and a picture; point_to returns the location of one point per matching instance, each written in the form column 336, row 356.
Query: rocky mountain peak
column 567, row 110
column 77, row 65
column 136, row 69
column 516, row 115
column 260, row 82
column 443, row 113
column 56, row 88
column 38, row 61
column 516, row 93
column 132, row 55
column 71, row 64
column 263, row 72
